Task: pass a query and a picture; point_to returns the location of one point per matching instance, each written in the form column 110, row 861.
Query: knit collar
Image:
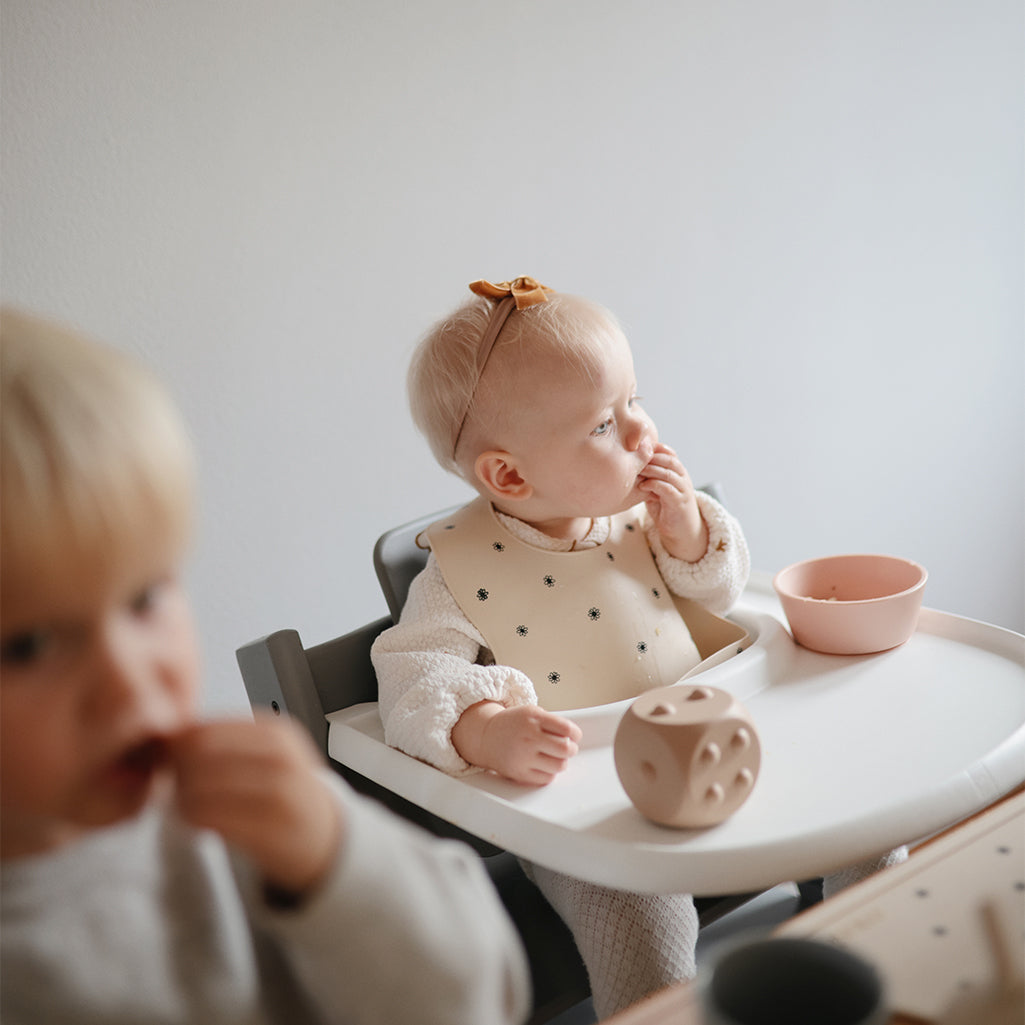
column 523, row 531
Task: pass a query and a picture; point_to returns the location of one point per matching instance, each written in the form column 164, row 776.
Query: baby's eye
column 603, row 428
column 25, row 647
column 145, row 600
column 635, row 401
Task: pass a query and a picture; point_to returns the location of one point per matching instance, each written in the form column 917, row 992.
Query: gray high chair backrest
column 398, row 558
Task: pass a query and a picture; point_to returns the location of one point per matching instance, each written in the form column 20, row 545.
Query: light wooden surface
column 921, row 923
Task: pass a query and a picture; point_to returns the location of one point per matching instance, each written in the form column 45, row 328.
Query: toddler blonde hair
column 93, row 453
column 443, row 380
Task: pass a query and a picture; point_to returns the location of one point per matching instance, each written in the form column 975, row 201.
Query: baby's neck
column 570, row 528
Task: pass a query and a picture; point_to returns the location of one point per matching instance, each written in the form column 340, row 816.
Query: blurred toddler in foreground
column 156, row 867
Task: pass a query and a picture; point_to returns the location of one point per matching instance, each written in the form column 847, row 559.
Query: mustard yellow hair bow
column 524, row 291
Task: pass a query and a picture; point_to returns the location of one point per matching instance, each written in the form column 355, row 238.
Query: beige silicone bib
column 588, row 627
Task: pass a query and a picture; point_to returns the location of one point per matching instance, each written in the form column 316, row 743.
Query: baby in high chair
column 556, row 588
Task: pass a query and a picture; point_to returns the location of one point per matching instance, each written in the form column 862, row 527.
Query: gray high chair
column 308, row 683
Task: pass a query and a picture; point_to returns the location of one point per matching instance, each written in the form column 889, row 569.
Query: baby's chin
column 634, row 498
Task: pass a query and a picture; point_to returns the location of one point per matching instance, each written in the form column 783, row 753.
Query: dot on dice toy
column 687, row 756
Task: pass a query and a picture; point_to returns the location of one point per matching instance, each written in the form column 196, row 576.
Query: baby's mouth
column 143, row 760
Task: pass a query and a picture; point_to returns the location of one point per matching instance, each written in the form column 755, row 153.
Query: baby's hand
column 525, row 744
column 672, row 504
column 258, row 785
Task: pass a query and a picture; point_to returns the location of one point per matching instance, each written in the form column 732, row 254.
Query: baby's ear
column 498, row 472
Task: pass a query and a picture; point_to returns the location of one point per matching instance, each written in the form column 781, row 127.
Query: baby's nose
column 647, row 439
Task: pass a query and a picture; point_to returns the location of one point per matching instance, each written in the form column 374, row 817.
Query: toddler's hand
column 672, row 504
column 258, row 785
column 525, row 744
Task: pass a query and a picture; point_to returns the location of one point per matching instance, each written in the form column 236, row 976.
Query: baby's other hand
column 525, row 744
column 673, row 506
column 258, row 784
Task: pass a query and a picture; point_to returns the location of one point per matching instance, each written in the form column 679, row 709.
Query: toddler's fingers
column 674, row 480
column 559, row 726
column 667, row 462
column 536, row 777
column 229, row 772
column 664, row 452
column 552, row 766
column 673, row 463
column 543, row 769
column 656, row 492
column 558, row 747
column 278, row 744
column 261, row 791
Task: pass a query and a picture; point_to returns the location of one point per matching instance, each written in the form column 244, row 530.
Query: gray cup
column 792, row 981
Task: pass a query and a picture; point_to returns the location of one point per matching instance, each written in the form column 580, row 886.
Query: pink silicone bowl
column 851, row 604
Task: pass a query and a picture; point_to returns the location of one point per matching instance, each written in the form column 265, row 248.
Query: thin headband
column 518, row 294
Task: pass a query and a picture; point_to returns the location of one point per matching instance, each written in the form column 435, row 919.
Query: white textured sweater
column 151, row 921
column 432, row 665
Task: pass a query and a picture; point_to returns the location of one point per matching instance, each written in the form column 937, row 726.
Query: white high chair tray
column 859, row 755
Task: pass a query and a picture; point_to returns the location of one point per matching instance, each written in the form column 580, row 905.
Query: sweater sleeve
column 718, row 578
column 429, row 672
column 407, row 928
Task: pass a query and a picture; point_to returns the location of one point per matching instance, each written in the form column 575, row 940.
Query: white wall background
column 808, row 214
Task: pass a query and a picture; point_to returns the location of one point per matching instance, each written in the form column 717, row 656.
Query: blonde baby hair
column 93, row 453
column 445, row 384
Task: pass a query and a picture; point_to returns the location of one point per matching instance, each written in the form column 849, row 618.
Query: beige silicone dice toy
column 687, row 755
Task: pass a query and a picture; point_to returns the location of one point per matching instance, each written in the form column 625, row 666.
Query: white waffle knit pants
column 634, row 944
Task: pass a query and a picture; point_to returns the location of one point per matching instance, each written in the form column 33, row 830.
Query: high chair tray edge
column 859, row 754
